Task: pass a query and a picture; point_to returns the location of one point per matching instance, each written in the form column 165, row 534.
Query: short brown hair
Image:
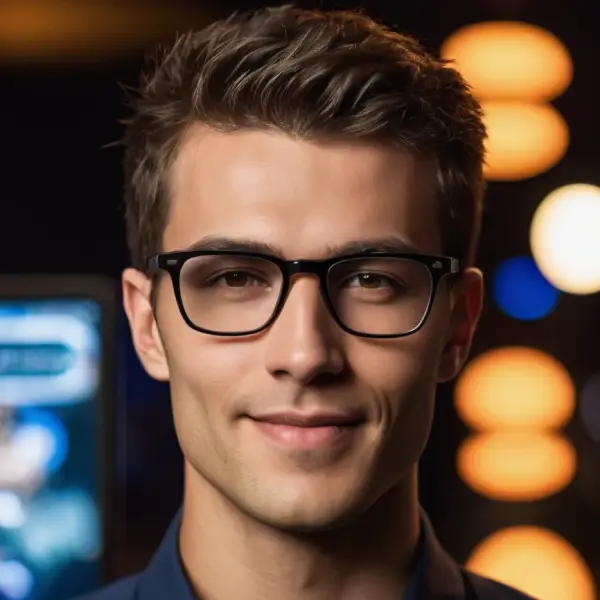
column 312, row 74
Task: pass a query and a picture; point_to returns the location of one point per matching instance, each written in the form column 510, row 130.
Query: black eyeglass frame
column 172, row 262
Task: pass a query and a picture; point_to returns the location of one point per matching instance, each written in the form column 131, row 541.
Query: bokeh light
column 16, row 580
column 51, row 29
column 61, row 526
column 12, row 514
column 521, row 291
column 589, row 407
column 515, row 387
column 42, row 437
column 565, row 239
column 47, row 358
column 524, row 140
column 536, row 561
column 35, row 448
column 508, row 59
column 517, row 466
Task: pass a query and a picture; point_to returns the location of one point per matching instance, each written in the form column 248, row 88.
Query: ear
column 467, row 301
column 144, row 330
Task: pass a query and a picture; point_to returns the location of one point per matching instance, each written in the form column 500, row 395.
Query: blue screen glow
column 50, row 459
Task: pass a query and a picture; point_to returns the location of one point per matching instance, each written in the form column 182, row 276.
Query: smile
column 309, row 433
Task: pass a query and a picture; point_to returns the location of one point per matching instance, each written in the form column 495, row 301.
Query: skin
column 261, row 521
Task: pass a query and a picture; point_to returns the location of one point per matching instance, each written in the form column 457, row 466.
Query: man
column 304, row 195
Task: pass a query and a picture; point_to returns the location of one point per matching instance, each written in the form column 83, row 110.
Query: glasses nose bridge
column 306, row 267
column 316, row 268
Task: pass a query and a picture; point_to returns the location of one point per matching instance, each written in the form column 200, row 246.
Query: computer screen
column 51, row 458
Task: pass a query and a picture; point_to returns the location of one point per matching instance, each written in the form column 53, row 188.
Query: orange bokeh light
column 524, row 140
column 516, row 388
column 55, row 30
column 517, row 466
column 511, row 60
column 536, row 561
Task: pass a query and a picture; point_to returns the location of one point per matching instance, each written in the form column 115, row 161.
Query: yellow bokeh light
column 515, row 387
column 524, row 139
column 517, row 466
column 565, row 240
column 536, row 561
column 511, row 60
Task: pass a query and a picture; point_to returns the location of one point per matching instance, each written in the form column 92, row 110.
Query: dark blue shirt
column 435, row 576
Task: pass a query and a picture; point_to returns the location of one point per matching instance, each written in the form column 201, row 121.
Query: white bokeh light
column 11, row 510
column 565, row 238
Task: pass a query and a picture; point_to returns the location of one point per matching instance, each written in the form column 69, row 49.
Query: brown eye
column 370, row 281
column 236, row 279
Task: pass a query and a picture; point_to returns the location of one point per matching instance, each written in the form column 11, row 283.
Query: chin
column 304, row 512
column 305, row 521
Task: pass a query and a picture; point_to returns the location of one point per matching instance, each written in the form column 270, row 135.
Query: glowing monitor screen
column 51, row 530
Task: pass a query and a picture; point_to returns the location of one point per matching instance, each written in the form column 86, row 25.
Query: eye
column 371, row 281
column 236, row 279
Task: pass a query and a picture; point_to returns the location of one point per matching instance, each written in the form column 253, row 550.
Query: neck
column 227, row 554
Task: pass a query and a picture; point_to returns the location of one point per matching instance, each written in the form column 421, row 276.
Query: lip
column 302, row 432
column 321, row 419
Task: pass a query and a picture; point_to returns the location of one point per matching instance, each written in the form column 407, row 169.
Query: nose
column 304, row 341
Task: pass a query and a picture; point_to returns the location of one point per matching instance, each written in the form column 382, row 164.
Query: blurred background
column 90, row 471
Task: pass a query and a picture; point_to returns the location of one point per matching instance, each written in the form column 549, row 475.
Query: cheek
column 401, row 375
column 198, row 362
column 205, row 376
column 208, row 373
column 398, row 369
column 206, row 381
column 404, row 384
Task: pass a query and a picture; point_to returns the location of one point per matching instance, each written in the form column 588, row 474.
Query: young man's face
column 303, row 198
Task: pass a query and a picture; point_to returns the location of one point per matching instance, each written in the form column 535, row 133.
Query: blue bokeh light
column 36, row 421
column 521, row 291
column 16, row 581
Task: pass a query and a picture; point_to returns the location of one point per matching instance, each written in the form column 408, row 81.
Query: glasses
column 374, row 295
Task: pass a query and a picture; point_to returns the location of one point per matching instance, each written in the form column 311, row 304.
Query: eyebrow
column 388, row 244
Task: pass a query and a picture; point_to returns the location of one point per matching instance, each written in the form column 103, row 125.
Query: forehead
column 301, row 196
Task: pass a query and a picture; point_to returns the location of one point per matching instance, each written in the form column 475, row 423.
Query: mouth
column 309, row 432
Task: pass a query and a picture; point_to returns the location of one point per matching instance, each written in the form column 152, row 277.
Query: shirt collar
column 164, row 577
column 417, row 584
column 435, row 576
column 442, row 577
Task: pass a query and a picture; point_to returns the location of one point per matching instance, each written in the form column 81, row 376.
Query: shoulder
column 488, row 589
column 123, row 589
